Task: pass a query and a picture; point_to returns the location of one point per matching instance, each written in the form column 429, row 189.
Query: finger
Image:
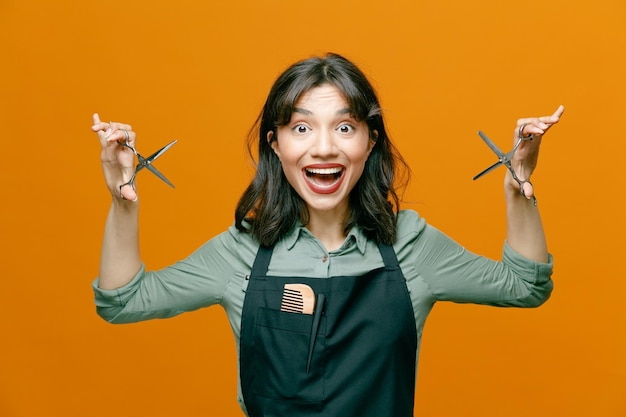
column 528, row 190
column 115, row 135
column 109, row 127
column 535, row 128
column 554, row 118
column 526, row 129
column 117, row 126
column 539, row 126
column 128, row 193
column 107, row 131
column 120, row 136
column 545, row 120
column 97, row 124
column 116, row 132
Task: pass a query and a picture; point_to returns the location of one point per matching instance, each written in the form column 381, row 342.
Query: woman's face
column 323, row 150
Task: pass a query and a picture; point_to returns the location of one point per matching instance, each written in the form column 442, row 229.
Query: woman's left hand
column 524, row 161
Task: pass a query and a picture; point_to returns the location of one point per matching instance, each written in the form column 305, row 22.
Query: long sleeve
column 198, row 281
column 452, row 273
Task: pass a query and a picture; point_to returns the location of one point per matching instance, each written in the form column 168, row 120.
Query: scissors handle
column 130, row 182
column 520, row 183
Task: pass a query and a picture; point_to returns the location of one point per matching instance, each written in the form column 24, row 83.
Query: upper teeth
column 324, row 171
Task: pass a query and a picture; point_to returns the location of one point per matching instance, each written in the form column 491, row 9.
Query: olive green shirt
column 435, row 268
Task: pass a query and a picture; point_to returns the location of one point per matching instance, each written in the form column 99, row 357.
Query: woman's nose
column 324, row 144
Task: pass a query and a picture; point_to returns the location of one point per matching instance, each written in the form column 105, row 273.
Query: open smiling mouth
column 324, row 180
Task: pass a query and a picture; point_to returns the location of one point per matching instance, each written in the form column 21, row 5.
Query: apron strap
column 262, row 261
column 389, row 256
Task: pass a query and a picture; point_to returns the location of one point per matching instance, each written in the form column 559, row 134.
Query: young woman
column 326, row 283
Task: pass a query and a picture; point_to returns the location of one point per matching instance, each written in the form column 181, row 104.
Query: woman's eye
column 345, row 128
column 301, row 129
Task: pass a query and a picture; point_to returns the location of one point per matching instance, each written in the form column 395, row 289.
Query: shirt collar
column 355, row 235
column 292, row 235
column 359, row 237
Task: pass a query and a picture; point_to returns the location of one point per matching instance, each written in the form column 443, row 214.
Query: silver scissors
column 505, row 159
column 145, row 162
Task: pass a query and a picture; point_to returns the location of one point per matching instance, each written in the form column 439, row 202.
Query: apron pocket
column 281, row 352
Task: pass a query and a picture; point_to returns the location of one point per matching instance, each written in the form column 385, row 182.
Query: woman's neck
column 328, row 228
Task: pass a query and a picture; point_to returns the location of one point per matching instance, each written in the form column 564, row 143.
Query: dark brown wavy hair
column 269, row 207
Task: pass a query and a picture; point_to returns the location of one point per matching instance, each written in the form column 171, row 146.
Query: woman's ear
column 372, row 142
column 271, row 139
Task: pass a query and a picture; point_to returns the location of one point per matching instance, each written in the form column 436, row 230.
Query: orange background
column 199, row 71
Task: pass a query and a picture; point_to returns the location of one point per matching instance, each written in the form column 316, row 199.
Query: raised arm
column 120, row 259
column 524, row 228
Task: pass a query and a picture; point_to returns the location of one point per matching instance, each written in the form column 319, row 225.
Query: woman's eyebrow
column 310, row 113
column 302, row 111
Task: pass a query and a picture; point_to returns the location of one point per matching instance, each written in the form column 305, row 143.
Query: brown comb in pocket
column 298, row 298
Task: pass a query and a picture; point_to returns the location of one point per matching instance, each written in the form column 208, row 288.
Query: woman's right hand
column 118, row 162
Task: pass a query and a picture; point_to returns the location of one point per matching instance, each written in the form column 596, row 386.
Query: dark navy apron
column 357, row 360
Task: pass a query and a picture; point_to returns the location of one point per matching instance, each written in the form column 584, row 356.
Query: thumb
column 528, row 190
column 128, row 193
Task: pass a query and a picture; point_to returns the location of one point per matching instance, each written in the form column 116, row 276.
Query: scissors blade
column 147, row 162
column 486, row 171
column 491, row 145
column 156, row 172
column 160, row 152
